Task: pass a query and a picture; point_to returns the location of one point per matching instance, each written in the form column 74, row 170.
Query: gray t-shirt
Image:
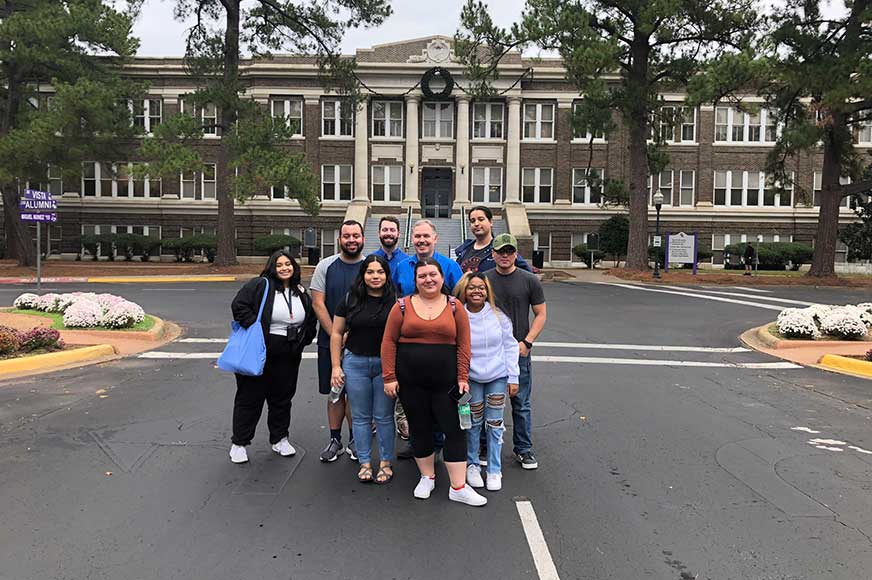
column 514, row 294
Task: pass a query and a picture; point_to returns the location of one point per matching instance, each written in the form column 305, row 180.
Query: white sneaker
column 238, row 454
column 473, row 476
column 424, row 487
column 494, row 481
column 467, row 495
column 284, row 448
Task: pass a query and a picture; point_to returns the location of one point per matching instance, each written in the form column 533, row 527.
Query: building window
column 542, row 242
column 678, row 124
column 328, row 242
column 598, row 135
column 734, row 126
column 438, row 120
column 863, row 133
column 487, row 185
column 189, row 185
column 146, row 114
column 128, row 184
column 202, row 188
column 291, row 112
column 749, row 189
column 664, row 184
column 587, row 191
column 337, row 118
column 536, row 185
column 336, row 182
column 538, row 121
column 53, row 183
column 209, row 178
column 387, row 119
column 687, row 187
column 207, row 114
column 278, row 192
column 487, row 121
column 97, row 179
column 387, row 183
column 818, row 181
column 577, row 240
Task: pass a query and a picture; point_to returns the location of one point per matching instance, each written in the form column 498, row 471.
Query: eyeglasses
column 506, row 251
column 482, row 289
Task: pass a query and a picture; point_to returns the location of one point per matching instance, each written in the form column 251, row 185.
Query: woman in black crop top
column 363, row 315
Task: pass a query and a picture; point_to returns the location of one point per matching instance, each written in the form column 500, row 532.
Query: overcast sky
column 161, row 35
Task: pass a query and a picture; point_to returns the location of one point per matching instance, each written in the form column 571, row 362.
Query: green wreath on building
column 444, row 75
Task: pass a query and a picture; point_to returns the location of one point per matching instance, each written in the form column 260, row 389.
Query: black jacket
column 247, row 302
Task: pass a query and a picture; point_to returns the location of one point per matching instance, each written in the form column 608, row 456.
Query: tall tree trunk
column 226, row 254
column 637, row 247
column 824, row 258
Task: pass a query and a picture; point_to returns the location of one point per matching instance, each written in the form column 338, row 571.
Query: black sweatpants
column 426, row 373
column 277, row 386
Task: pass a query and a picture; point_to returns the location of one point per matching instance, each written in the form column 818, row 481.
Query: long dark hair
column 269, row 271
column 430, row 262
column 357, row 293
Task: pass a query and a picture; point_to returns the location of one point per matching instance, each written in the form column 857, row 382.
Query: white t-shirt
column 282, row 317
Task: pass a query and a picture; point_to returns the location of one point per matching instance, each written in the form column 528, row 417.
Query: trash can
column 538, row 259
column 314, row 255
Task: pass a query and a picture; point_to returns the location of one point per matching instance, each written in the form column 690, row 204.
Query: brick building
column 399, row 150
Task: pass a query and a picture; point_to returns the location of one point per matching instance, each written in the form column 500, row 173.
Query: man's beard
column 386, row 244
column 350, row 253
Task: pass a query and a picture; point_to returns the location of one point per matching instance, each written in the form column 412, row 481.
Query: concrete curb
column 769, row 341
column 844, row 364
column 153, row 334
column 55, row 360
column 160, row 279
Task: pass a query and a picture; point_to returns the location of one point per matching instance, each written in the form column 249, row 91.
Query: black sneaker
column 351, row 449
column 333, row 450
column 527, row 460
column 482, row 455
column 404, row 450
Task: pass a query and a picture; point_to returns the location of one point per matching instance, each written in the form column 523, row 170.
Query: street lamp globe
column 658, row 199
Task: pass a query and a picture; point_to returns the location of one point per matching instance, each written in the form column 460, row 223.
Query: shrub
column 40, row 338
column 90, row 243
column 773, row 255
column 843, row 323
column 9, row 342
column 797, row 323
column 83, row 314
column 26, row 301
column 124, row 314
column 64, row 301
column 614, row 234
column 702, row 255
column 582, row 252
column 269, row 244
column 48, row 302
column 107, row 301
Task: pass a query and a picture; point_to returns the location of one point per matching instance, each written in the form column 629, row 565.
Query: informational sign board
column 38, row 206
column 681, row 248
column 310, row 240
column 658, row 241
column 30, row 205
column 39, row 217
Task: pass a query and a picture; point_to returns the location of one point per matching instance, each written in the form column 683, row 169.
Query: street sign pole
column 38, row 258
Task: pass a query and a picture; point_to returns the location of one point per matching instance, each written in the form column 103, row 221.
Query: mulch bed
column 682, row 277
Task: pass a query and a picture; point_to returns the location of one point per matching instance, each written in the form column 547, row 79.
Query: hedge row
column 770, row 255
column 130, row 245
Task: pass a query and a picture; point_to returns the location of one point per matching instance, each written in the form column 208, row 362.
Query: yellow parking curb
column 159, row 279
column 846, row 364
column 42, row 362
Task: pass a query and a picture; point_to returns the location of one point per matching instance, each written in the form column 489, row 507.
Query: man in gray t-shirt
column 516, row 292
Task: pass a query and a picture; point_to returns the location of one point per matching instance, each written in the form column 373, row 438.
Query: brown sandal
column 385, row 474
column 364, row 474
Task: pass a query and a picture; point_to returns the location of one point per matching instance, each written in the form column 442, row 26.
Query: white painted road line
column 536, row 540
column 692, row 295
column 753, row 289
column 738, row 295
column 550, row 359
column 641, row 347
column 203, row 340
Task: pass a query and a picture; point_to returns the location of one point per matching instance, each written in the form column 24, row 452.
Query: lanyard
column 288, row 302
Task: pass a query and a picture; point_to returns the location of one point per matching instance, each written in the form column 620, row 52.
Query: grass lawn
column 58, row 321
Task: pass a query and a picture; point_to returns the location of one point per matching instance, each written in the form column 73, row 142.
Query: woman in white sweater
column 493, row 373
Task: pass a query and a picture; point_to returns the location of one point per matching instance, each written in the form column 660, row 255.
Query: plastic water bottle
column 465, row 416
column 335, row 393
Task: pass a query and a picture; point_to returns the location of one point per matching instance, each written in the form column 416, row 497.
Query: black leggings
column 277, row 386
column 426, row 373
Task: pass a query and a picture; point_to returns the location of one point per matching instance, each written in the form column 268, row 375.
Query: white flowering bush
column 26, row 301
column 819, row 311
column 844, row 323
column 797, row 323
column 83, row 314
column 123, row 314
column 85, row 309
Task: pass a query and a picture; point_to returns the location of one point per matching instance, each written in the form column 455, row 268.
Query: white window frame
column 291, row 118
column 743, row 180
column 53, row 182
column 677, row 130
column 103, row 184
column 487, row 178
column 598, row 138
column 538, row 122
column 384, row 178
column 537, row 245
column 282, row 189
column 484, row 129
column 538, row 184
column 580, row 184
column 741, row 121
column 391, row 126
column 213, row 183
column 343, row 127
column 148, row 104
column 151, row 188
column 665, row 181
column 336, row 184
column 863, row 137
column 691, row 173
column 198, row 181
column 577, row 238
column 817, row 187
column 200, row 113
column 442, row 113
column 328, row 240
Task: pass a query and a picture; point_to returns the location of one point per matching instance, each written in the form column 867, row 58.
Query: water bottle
column 335, row 393
column 464, row 414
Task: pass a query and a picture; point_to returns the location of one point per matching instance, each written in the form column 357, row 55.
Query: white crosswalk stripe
column 752, row 296
column 696, row 294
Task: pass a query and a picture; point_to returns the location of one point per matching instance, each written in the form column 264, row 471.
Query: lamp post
column 658, row 203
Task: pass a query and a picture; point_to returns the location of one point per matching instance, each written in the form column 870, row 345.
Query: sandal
column 385, row 474
column 364, row 474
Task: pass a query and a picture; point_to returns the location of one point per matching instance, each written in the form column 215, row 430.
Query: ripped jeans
column 487, row 404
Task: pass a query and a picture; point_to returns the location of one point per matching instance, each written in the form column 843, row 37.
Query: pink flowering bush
column 48, row 302
column 107, row 301
column 83, row 314
column 26, row 301
column 39, row 338
column 124, row 314
column 9, row 342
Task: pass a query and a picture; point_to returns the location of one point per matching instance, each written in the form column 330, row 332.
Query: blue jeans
column 488, row 404
column 366, row 393
column 522, row 418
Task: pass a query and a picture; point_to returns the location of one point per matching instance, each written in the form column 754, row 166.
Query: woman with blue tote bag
column 288, row 324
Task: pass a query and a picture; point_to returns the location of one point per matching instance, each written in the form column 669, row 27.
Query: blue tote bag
column 245, row 353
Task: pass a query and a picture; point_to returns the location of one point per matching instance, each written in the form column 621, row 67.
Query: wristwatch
column 527, row 343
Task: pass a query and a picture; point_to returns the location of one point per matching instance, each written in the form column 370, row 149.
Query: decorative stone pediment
column 437, row 51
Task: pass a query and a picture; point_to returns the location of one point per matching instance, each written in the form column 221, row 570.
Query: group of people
column 402, row 340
